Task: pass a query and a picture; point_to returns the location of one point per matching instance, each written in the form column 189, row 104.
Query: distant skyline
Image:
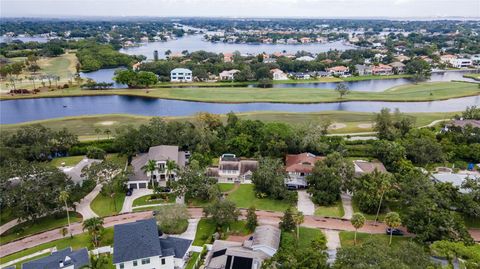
column 409, row 9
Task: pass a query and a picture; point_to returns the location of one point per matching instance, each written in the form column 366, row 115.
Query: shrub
column 95, row 153
column 172, row 219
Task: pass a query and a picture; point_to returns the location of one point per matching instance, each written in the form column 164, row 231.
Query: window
column 135, row 263
column 163, row 261
column 146, row 261
column 122, row 266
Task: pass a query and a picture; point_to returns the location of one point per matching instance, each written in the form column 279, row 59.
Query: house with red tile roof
column 298, row 166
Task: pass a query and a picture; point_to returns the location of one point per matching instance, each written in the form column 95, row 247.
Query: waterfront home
column 140, row 245
column 181, row 75
column 382, row 70
column 231, row 169
column 228, row 57
column 447, row 58
column 292, row 41
column 250, row 254
column 228, row 74
column 305, row 40
column 365, row 167
column 305, row 58
column 298, row 167
column 62, row 259
column 363, row 70
column 278, row 74
column 136, row 66
column 461, row 63
column 300, row 75
column 339, row 70
column 461, row 123
column 160, row 155
column 398, row 67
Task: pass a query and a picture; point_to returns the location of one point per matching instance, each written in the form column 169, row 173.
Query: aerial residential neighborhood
column 306, row 134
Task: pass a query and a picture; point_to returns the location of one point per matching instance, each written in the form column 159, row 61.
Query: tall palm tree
column 32, row 79
column 170, row 166
column 392, row 219
column 299, row 219
column 358, row 220
column 94, row 226
column 63, row 197
column 150, row 167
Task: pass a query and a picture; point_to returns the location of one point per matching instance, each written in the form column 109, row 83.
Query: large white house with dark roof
column 181, row 75
column 160, row 154
column 138, row 245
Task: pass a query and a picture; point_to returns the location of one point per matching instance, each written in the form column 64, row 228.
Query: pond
column 8, row 39
column 104, row 75
column 23, row 110
column 196, row 42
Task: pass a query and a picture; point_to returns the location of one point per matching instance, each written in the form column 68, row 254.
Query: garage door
column 142, row 185
column 133, row 186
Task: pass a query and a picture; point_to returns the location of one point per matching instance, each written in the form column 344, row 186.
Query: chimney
column 60, row 264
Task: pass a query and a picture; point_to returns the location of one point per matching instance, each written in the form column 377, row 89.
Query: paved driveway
column 347, row 206
column 304, row 204
column 84, row 206
column 128, row 202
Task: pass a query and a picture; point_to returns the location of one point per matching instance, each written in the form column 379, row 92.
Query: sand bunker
column 107, row 123
column 365, row 125
column 336, row 126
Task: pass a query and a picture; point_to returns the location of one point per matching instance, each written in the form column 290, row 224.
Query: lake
column 23, row 110
column 38, row 39
column 194, row 43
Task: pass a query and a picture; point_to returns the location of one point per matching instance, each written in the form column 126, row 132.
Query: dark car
column 394, row 231
column 129, row 192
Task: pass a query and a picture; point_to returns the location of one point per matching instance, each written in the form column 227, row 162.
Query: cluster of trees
column 269, row 180
column 133, row 79
column 93, row 56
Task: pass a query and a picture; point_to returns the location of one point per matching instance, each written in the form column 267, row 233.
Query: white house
column 138, row 245
column 461, row 63
column 231, row 169
column 278, row 74
column 160, row 154
column 228, row 74
column 181, row 75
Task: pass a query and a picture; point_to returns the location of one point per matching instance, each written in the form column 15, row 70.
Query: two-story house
column 231, row 169
column 138, row 245
column 160, row 155
column 298, row 166
column 181, row 75
column 62, row 259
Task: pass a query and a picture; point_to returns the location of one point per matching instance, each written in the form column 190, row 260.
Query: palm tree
column 299, row 219
column 392, row 219
column 98, row 262
column 358, row 220
column 170, row 166
column 32, row 78
column 150, row 167
column 107, row 132
column 63, row 197
column 94, row 226
column 98, row 132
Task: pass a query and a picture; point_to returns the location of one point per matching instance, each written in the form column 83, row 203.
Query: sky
column 242, row 8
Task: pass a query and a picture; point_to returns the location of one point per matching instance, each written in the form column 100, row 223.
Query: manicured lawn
column 205, row 230
column 244, row 197
column 69, row 161
column 42, row 224
column 84, row 126
column 6, row 215
column 224, row 187
column 346, row 238
column 104, row 206
column 192, row 260
column 330, row 211
column 239, row 228
column 77, row 242
column 307, row 235
column 474, row 76
column 145, row 200
column 411, row 92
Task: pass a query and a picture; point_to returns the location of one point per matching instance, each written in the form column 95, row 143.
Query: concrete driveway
column 128, row 202
column 304, row 204
column 347, row 206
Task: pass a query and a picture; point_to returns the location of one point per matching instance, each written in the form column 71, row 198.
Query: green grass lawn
column 239, row 228
column 474, row 76
column 69, row 161
column 244, row 197
column 307, row 235
column 104, row 206
column 335, row 210
column 6, row 215
column 347, row 238
column 224, row 187
column 84, row 126
column 77, row 242
column 145, row 200
column 120, row 160
column 471, row 222
column 41, row 225
column 205, row 229
column 192, row 260
column 411, row 92
column 381, row 216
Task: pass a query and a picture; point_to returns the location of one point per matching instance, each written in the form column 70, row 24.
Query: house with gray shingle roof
column 62, row 259
column 139, row 245
column 160, row 154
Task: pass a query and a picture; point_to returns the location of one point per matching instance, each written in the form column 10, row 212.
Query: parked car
column 394, row 231
column 129, row 192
